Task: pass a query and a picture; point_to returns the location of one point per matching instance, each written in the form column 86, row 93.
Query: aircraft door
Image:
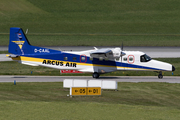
column 83, row 58
column 124, row 62
column 128, row 61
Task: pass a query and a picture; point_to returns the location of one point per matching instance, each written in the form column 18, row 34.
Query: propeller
column 122, row 47
column 122, row 53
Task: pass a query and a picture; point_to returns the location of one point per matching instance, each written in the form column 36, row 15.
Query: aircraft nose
column 173, row 68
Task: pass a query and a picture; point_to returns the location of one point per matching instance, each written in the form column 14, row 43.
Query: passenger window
column 83, row 58
column 125, row 59
column 91, row 58
column 74, row 59
column 65, row 58
column 101, row 58
column 131, row 59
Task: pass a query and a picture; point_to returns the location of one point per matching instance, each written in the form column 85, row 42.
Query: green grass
column 159, row 17
column 4, row 52
column 104, row 23
column 90, row 22
column 14, row 68
column 145, row 101
column 97, row 40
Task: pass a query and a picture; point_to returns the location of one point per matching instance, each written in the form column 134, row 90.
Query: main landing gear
column 95, row 75
column 160, row 76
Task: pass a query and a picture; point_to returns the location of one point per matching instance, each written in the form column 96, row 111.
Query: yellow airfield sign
column 85, row 91
column 93, row 90
column 78, row 91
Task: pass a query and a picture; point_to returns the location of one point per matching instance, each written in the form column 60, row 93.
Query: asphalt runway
column 135, row 79
column 4, row 58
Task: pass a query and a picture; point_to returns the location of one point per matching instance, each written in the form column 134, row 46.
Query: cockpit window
column 145, row 58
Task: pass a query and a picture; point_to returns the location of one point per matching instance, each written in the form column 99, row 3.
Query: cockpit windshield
column 145, row 58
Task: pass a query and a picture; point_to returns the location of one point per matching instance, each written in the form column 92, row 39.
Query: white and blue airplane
column 95, row 61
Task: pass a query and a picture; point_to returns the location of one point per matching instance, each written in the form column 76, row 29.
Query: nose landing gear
column 160, row 76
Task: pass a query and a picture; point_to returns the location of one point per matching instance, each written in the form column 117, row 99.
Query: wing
column 104, row 53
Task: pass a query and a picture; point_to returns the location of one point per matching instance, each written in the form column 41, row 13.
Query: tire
column 160, row 76
column 95, row 75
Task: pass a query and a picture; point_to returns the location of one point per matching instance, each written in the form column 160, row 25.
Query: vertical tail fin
column 18, row 43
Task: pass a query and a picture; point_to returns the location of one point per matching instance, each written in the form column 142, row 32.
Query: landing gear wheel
column 95, row 75
column 160, row 76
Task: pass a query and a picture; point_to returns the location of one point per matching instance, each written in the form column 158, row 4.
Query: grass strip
column 42, row 101
column 98, row 40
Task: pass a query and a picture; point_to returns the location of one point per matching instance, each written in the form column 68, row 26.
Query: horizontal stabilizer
column 12, row 56
column 27, row 63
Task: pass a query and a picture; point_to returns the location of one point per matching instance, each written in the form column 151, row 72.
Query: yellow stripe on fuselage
column 22, row 58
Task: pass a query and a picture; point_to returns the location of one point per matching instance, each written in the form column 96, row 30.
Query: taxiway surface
column 136, row 79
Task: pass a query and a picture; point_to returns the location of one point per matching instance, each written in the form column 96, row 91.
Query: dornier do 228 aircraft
column 95, row 61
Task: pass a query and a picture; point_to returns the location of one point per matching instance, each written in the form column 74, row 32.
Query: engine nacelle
column 116, row 52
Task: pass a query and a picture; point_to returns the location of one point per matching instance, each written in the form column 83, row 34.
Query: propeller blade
column 122, row 47
column 122, row 53
column 121, row 58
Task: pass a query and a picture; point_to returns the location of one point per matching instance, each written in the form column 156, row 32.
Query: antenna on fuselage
column 60, row 49
column 95, row 48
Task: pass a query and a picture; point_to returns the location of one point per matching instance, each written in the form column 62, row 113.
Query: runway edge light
column 14, row 82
